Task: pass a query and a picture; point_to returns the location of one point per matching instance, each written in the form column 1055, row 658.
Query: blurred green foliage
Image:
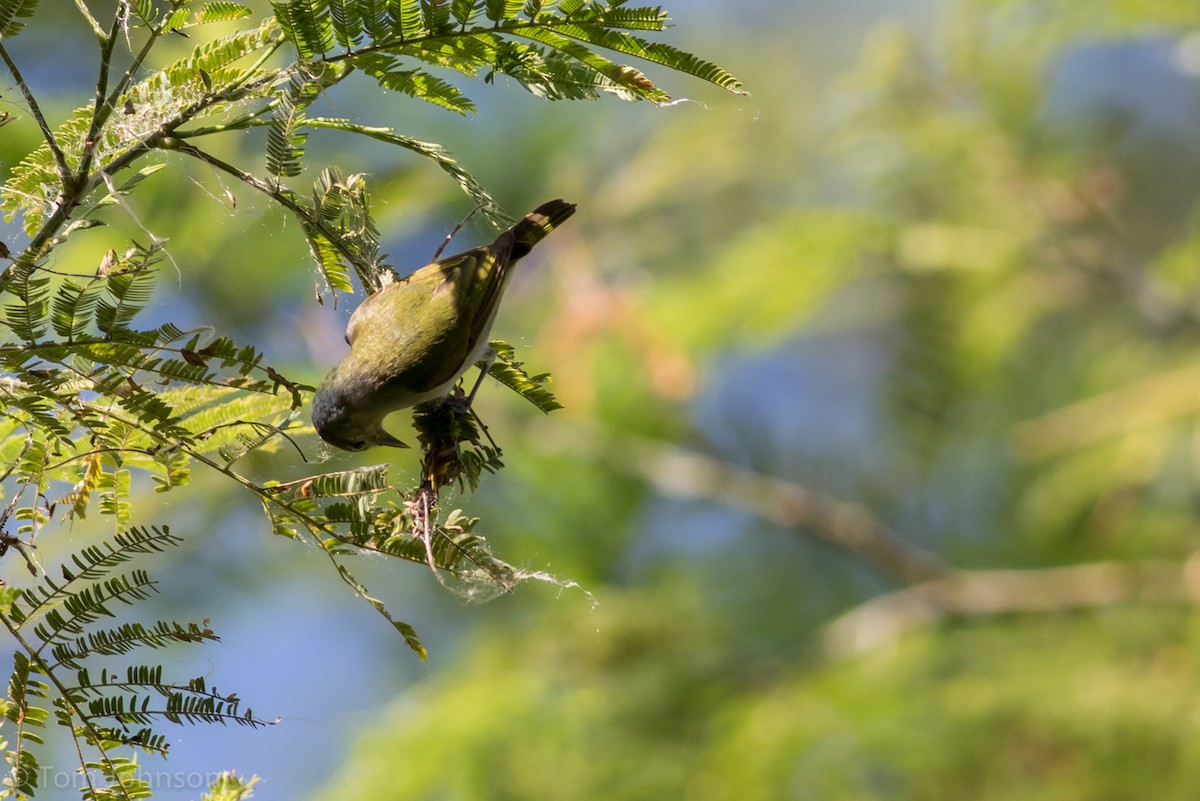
column 1019, row 387
column 643, row 698
column 915, row 271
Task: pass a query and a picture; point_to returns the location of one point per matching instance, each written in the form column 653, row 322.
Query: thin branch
column 251, row 119
column 92, row 21
column 100, row 109
column 134, row 66
column 285, row 199
column 97, row 452
column 60, row 160
column 257, row 424
column 684, row 474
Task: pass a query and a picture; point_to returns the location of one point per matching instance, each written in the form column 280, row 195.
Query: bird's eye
column 358, row 445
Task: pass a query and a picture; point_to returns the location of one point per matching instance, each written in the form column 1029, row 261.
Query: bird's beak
column 384, row 438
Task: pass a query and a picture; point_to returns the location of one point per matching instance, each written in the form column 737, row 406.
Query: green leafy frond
column 347, row 18
column 140, row 696
column 127, row 290
column 415, row 82
column 32, row 187
column 649, row 18
column 468, row 54
column 655, row 52
column 89, row 604
column 511, row 374
column 464, row 11
column 176, row 19
column 121, row 773
column 286, row 135
column 101, row 711
column 500, row 10
column 125, row 638
column 436, row 14
column 219, row 418
column 205, row 83
column 91, row 564
column 377, row 21
column 435, row 153
column 406, row 631
column 221, row 11
column 569, row 7
column 341, row 232
column 127, row 372
column 362, row 481
column 408, row 17
column 213, row 59
column 307, row 24
column 229, row 787
column 73, row 310
column 114, row 496
column 199, row 85
column 182, row 16
column 27, row 316
column 597, row 72
column 12, row 12
column 329, row 261
column 145, row 10
column 23, row 710
column 343, row 510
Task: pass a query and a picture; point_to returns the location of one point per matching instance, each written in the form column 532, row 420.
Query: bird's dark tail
column 537, row 223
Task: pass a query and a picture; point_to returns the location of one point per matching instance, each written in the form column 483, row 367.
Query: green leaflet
column 435, row 153
column 511, row 374
column 12, row 12
column 57, row 619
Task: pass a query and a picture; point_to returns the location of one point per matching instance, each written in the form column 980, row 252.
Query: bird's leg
column 485, row 364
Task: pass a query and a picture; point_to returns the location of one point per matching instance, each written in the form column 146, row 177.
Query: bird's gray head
column 340, row 423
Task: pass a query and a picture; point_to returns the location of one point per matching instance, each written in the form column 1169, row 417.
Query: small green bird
column 411, row 341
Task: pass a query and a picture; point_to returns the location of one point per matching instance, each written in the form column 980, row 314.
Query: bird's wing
column 491, row 270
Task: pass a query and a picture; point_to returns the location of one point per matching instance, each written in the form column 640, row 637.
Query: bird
column 411, row 341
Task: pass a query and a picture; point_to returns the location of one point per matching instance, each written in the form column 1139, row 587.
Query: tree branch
column 682, row 474
column 983, row 593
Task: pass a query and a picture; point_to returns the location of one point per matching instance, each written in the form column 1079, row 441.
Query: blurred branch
column 980, row 593
column 938, row 591
column 684, row 474
column 1146, row 403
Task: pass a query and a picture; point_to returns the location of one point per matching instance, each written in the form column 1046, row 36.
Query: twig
column 100, row 111
column 60, row 161
column 454, row 232
column 87, row 14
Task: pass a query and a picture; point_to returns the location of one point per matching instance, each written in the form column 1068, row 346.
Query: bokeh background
column 942, row 268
